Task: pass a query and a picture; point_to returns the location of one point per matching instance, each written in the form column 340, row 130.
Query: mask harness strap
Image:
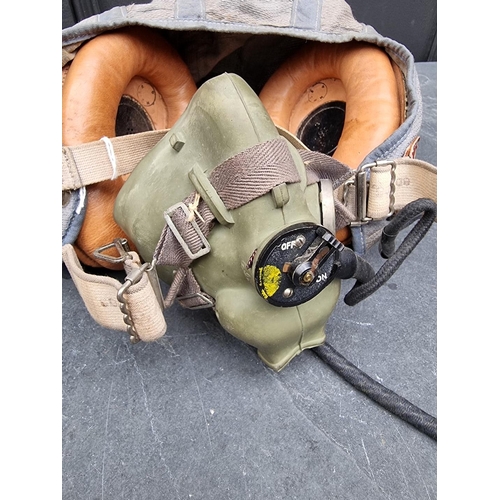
column 235, row 182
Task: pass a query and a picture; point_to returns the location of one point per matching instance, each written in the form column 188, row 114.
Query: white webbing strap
column 404, row 180
column 105, row 159
column 144, row 319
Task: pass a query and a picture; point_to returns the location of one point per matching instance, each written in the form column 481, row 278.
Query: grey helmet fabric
column 251, row 39
column 73, row 212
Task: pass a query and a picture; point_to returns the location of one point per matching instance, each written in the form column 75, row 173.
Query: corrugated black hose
column 386, row 398
column 427, row 211
column 367, row 282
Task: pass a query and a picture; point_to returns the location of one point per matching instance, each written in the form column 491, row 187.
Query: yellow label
column 270, row 279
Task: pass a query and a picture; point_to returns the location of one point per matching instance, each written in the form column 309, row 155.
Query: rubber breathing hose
column 386, row 398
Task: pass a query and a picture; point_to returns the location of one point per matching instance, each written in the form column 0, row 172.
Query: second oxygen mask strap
column 237, row 181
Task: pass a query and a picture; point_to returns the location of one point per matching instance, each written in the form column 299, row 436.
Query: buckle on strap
column 119, row 244
column 131, row 279
column 361, row 184
column 205, row 248
column 205, row 301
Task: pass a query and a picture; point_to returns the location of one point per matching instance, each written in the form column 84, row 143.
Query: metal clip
column 121, row 244
column 131, row 279
column 208, row 302
column 205, row 248
column 362, row 190
column 155, row 283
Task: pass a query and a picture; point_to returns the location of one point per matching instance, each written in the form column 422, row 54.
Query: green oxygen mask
column 239, row 217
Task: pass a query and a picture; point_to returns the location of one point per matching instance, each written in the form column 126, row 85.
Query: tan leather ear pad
column 360, row 74
column 363, row 71
column 135, row 61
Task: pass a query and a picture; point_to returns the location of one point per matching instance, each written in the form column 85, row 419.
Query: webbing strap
column 238, row 180
column 93, row 162
column 405, row 179
column 320, row 166
column 105, row 159
column 144, row 313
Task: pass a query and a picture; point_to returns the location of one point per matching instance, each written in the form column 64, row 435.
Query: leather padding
column 104, row 69
column 360, row 73
column 365, row 76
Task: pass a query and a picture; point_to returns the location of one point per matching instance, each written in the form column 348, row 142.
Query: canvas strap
column 101, row 160
column 131, row 306
column 105, row 159
column 380, row 189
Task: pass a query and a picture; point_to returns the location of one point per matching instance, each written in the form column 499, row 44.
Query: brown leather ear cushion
column 359, row 72
column 373, row 109
column 104, row 69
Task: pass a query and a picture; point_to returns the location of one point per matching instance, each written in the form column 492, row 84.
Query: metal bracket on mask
column 297, row 264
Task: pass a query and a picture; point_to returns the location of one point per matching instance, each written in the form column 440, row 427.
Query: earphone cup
column 357, row 73
column 121, row 82
column 318, row 117
column 343, row 100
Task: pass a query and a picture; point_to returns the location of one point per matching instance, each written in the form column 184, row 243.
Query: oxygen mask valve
column 299, row 262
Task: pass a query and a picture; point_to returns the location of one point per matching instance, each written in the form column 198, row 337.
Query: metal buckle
column 131, row 279
column 205, row 244
column 362, row 189
column 121, row 244
column 208, row 301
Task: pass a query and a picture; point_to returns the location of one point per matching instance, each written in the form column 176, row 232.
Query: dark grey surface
column 197, row 415
column 411, row 22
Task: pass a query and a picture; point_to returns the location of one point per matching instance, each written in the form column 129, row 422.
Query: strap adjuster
column 205, row 248
column 119, row 244
column 361, row 184
column 205, row 301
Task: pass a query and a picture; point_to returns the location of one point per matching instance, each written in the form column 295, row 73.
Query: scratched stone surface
column 197, row 415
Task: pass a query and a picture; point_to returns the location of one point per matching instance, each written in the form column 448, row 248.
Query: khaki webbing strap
column 414, row 179
column 99, row 293
column 95, row 162
column 90, row 163
column 408, row 178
